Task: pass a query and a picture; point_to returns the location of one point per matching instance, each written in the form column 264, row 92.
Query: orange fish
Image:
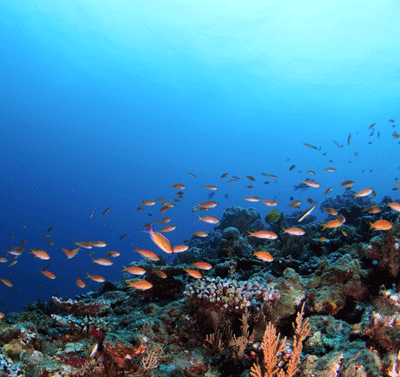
column 200, row 233
column 179, row 186
column 373, row 209
column 113, row 254
column 163, row 209
column 180, row 248
column 363, row 193
column 160, row 274
column 1, row 315
column 331, row 211
column 209, row 219
column 270, row 203
column 202, row 265
column 70, row 254
column 163, row 220
column 148, row 203
column 210, row 187
column 332, row 224
column 3, row 260
column 41, row 254
column 294, row 231
column 140, row 284
column 250, row 177
column 381, row 225
column 329, row 189
column 168, row 228
column 85, row 245
column 264, row 256
column 80, row 283
column 97, row 278
column 394, row 206
column 48, row 274
column 103, row 262
column 209, row 204
column 264, row 234
column 161, row 241
column 252, row 199
column 134, row 270
column 147, row 254
column 310, row 183
column 194, row 273
column 6, row 282
column 347, row 183
column 272, row 176
column 98, row 243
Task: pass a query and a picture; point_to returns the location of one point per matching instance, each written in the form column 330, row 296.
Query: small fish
column 113, row 254
column 41, row 254
column 337, row 144
column 210, row 187
column 134, row 270
column 329, row 189
column 310, row 183
column 142, row 285
column 310, row 146
column 48, row 274
column 50, row 229
column 200, row 233
column 381, row 225
column 160, row 274
column 295, row 204
column 294, row 231
column 331, row 211
column 13, row 235
column 373, row 209
column 147, row 254
column 70, row 254
column 209, row 219
column 209, row 204
column 50, row 242
column 264, row 256
column 98, row 243
column 263, row 234
column 292, row 167
column 194, row 273
column 80, row 283
column 252, row 199
column 97, row 278
column 372, row 125
column 6, row 282
column 349, row 139
column 15, row 261
column 180, row 248
column 148, row 203
column 363, row 193
column 330, row 170
column 250, row 177
column 93, row 350
column 91, row 214
column 179, row 186
column 107, row 210
column 202, row 265
column 272, row 176
column 224, row 175
column 23, row 242
column 332, row 224
column 24, row 226
column 347, row 183
column 123, row 236
column 3, row 260
column 168, row 228
column 192, row 175
column 85, row 245
column 103, row 262
column 394, row 206
column 306, row 213
column 270, row 203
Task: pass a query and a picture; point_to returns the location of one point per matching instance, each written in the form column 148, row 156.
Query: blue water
column 110, row 103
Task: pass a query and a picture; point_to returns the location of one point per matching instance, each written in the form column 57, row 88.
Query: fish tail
column 88, row 276
column 324, row 226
